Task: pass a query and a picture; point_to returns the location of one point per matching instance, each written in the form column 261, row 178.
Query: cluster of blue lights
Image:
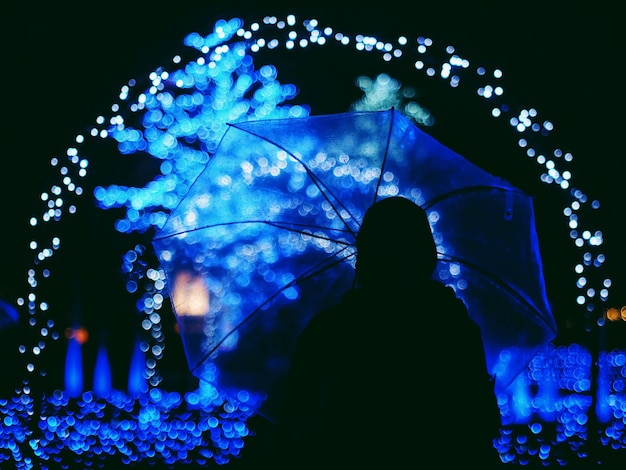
column 197, row 427
column 178, row 115
column 547, row 413
column 545, row 418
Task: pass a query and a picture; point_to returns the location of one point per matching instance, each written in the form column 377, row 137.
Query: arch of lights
column 178, row 117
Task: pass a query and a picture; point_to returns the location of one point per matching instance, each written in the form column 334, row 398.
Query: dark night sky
column 63, row 62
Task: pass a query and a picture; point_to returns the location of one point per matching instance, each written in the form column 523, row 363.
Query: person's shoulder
column 325, row 316
column 325, row 321
column 442, row 292
column 451, row 305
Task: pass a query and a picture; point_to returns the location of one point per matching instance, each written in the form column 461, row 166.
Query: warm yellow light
column 612, row 314
column 190, row 294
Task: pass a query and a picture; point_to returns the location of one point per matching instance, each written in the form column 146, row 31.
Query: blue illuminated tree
column 184, row 114
column 180, row 119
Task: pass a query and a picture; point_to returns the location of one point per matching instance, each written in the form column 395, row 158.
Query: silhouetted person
column 394, row 376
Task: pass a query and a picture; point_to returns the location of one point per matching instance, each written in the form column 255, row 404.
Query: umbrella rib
column 314, row 235
column 273, row 224
column 495, row 280
column 467, row 189
column 320, row 186
column 314, row 270
column 384, row 162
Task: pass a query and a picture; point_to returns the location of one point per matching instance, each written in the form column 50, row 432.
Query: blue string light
column 178, row 116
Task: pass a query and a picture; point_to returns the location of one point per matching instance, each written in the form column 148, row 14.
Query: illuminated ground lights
column 166, row 427
column 178, row 116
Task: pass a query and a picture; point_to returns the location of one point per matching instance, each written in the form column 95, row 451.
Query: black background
column 63, row 63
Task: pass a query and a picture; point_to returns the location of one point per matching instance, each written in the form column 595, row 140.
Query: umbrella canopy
column 265, row 239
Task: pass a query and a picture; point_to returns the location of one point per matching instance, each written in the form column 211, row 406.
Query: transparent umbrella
column 265, row 239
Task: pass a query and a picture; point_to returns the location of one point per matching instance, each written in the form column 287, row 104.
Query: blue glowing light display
column 178, row 117
column 165, row 427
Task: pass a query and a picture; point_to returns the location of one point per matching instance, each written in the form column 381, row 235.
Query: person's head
column 395, row 244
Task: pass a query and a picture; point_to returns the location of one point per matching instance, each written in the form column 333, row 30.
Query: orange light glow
column 80, row 334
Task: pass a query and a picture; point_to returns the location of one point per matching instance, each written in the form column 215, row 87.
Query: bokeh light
column 177, row 115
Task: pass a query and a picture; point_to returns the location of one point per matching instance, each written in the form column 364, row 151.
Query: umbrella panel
column 489, row 253
column 239, row 324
